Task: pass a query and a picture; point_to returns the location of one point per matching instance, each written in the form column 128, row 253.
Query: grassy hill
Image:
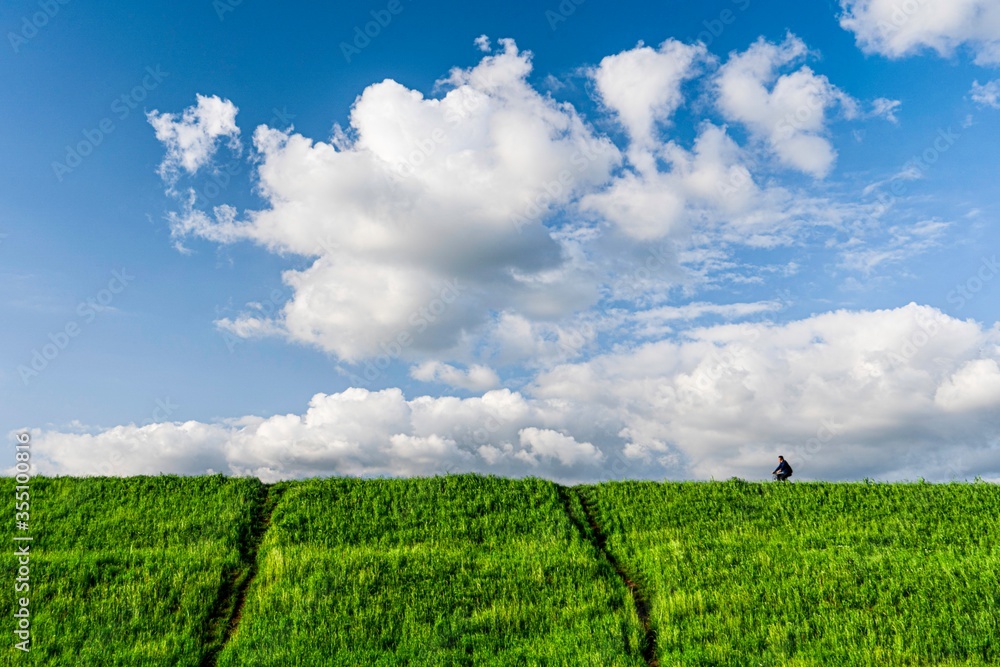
column 468, row 570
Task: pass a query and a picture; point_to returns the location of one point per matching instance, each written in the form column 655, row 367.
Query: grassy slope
column 456, row 570
column 812, row 574
column 126, row 571
column 470, row 570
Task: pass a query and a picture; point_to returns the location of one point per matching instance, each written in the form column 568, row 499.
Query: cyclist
column 783, row 471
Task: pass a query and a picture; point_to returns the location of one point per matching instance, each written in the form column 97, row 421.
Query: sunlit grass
column 468, row 570
column 812, row 574
column 456, row 570
column 126, row 571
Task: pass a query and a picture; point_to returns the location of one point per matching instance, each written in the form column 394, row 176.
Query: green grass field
column 468, row 570
column 456, row 570
column 126, row 571
column 812, row 574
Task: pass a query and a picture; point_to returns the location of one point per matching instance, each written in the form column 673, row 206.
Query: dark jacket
column 783, row 468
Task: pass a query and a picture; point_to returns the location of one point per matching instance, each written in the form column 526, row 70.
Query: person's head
column 780, row 457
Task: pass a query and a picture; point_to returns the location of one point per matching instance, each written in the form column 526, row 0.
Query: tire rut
column 228, row 608
column 595, row 535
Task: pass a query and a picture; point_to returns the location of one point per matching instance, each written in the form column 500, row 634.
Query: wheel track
column 228, row 608
column 595, row 535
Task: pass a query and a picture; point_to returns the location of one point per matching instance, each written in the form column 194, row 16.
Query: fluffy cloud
column 886, row 108
column 424, row 218
column 787, row 112
column 974, row 386
column 192, row 139
column 890, row 394
column 898, row 28
column 355, row 432
column 476, row 378
column 666, row 190
column 642, row 86
column 986, row 94
column 707, row 196
column 549, row 444
column 701, row 184
column 484, row 225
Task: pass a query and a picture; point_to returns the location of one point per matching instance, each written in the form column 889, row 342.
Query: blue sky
column 649, row 321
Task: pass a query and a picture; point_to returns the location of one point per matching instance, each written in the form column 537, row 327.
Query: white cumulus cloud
column 897, row 28
column 891, row 394
column 703, row 184
column 549, row 444
column 788, row 111
column 976, row 385
column 192, row 138
column 886, row 108
column 986, row 94
column 642, row 86
column 491, row 226
column 425, row 219
column 476, row 378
